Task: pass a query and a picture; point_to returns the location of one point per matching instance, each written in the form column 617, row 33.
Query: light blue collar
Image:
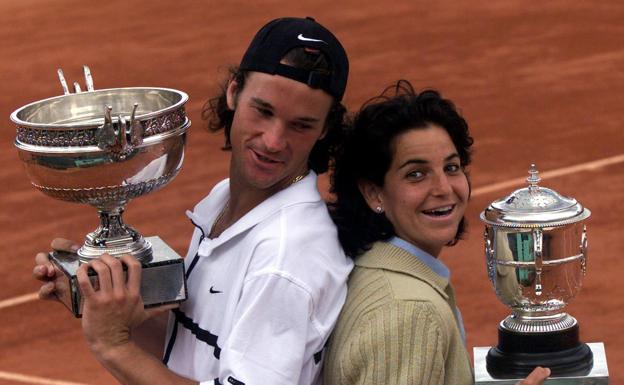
column 432, row 262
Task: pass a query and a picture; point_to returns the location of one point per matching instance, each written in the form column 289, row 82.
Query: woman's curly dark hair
column 367, row 154
column 218, row 115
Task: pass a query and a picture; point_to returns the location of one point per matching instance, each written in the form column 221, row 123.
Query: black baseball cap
column 279, row 36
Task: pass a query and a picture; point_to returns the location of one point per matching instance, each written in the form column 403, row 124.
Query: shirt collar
column 207, row 211
column 432, row 262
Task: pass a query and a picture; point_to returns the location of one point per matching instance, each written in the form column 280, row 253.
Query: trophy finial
column 533, row 178
column 106, row 132
column 122, row 147
column 88, row 78
column 63, row 81
column 77, row 88
column 135, row 128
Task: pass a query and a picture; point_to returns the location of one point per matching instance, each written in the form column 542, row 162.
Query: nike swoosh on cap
column 303, row 38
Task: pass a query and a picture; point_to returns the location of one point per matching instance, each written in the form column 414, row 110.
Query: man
column 265, row 272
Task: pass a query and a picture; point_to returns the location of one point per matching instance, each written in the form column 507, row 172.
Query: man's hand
column 44, row 271
column 536, row 377
column 110, row 312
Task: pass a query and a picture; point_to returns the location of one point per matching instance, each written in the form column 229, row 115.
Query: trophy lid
column 534, row 206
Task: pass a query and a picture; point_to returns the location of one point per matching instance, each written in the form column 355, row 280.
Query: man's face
column 276, row 123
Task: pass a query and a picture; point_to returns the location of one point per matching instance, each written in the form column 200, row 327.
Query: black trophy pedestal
column 162, row 278
column 517, row 354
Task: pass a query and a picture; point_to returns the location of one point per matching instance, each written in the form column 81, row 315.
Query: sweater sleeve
column 399, row 343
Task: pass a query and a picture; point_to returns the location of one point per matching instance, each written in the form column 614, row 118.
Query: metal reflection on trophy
column 536, row 251
column 104, row 148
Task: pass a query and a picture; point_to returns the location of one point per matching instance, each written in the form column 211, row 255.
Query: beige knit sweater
column 397, row 326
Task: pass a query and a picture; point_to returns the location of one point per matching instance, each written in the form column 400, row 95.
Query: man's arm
column 130, row 364
column 150, row 335
column 109, row 314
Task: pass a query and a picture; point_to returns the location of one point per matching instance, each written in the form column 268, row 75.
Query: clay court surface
column 539, row 82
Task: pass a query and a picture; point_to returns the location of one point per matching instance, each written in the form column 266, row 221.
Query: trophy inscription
column 104, row 148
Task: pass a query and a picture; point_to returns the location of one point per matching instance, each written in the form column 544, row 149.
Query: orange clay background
column 538, row 82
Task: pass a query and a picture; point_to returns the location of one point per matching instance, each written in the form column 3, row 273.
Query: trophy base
column 598, row 375
column 570, row 362
column 162, row 278
column 517, row 354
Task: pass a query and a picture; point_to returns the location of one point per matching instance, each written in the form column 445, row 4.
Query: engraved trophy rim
column 79, row 133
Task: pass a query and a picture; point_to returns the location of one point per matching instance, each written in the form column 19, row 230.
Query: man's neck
column 243, row 199
column 240, row 202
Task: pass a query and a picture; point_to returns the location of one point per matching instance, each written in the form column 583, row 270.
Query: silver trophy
column 536, row 252
column 104, row 148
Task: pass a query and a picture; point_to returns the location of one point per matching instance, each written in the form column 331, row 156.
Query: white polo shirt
column 264, row 295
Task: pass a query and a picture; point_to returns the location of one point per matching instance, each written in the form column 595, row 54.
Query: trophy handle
column 88, row 78
column 537, row 248
column 77, row 89
column 122, row 138
column 583, row 248
column 489, row 256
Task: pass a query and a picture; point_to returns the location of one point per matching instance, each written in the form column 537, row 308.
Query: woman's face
column 425, row 189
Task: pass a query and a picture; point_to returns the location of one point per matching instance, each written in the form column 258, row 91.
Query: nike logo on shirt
column 303, row 38
column 213, row 291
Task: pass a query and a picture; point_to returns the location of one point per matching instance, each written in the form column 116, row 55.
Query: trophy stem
column 538, row 322
column 114, row 237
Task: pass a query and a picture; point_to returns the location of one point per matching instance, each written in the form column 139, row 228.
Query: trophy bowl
column 104, row 148
column 536, row 296
column 536, row 252
column 62, row 143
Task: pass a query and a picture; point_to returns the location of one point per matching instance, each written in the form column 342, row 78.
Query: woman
column 401, row 191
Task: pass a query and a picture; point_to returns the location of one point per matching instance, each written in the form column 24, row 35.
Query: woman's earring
column 378, row 209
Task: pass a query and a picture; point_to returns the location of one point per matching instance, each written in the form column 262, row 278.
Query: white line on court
column 34, row 380
column 18, row 300
column 587, row 166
